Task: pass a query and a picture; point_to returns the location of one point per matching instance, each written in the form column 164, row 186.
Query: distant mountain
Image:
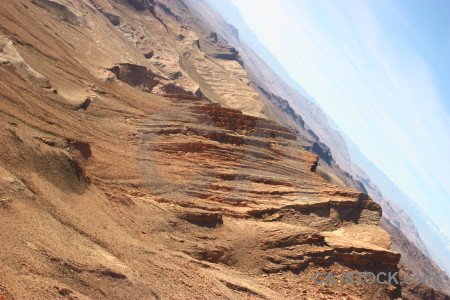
column 437, row 244
column 232, row 15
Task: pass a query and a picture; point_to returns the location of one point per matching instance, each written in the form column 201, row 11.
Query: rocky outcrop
column 201, row 218
column 10, row 56
column 59, row 11
column 422, row 291
column 140, row 5
column 114, row 19
column 147, row 80
column 138, row 76
column 211, row 45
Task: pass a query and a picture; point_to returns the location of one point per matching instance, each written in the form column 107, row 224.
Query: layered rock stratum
column 139, row 162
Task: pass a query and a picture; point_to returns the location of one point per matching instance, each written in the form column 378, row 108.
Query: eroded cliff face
column 284, row 104
column 137, row 163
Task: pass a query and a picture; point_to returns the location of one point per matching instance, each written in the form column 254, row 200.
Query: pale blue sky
column 381, row 70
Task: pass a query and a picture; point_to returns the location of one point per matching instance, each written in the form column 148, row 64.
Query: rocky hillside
column 138, row 162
